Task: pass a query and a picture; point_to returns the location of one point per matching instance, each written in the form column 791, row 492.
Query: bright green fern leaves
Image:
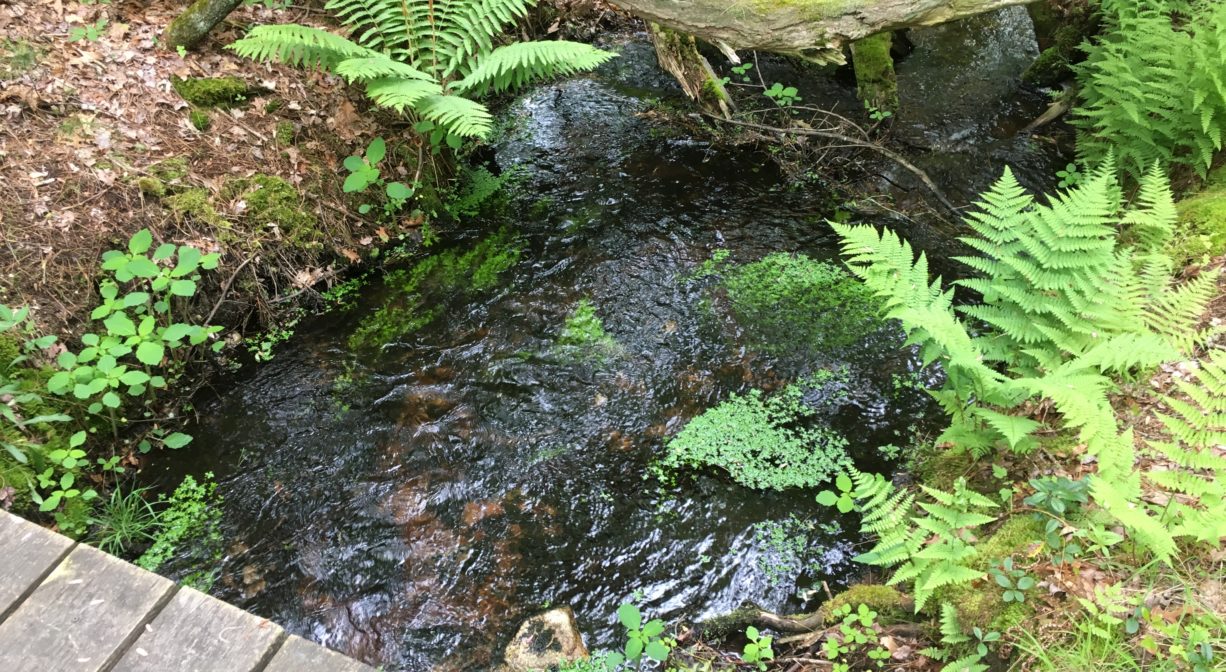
column 1153, row 88
column 429, row 57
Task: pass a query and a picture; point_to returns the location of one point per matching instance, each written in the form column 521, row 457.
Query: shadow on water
column 410, row 504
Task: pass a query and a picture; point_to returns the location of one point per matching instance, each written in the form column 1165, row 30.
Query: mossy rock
column 1014, row 537
column 151, row 186
column 1201, row 231
column 273, row 202
column 195, row 204
column 889, row 603
column 212, row 91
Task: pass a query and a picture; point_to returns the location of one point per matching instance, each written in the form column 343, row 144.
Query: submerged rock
column 544, row 642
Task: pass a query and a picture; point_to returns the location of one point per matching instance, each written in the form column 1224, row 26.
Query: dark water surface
column 411, row 504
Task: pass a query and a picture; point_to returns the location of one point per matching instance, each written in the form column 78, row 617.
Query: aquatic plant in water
column 420, row 294
column 789, row 304
column 584, row 332
column 762, row 441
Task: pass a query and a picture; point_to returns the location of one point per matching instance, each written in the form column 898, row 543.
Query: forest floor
column 97, row 144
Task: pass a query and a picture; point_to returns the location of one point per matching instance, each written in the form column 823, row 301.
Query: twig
column 896, row 158
column 225, row 288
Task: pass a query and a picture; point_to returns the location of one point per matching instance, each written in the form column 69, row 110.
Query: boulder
column 544, row 642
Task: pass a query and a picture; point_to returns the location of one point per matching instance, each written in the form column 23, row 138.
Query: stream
column 409, row 495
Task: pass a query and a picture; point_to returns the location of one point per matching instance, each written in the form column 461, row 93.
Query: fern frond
column 296, row 45
column 460, row 116
column 399, row 94
column 378, row 66
column 518, row 64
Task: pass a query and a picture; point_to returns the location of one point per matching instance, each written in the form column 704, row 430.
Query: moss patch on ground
column 194, row 204
column 273, row 203
column 212, row 91
column 888, row 602
column 1202, row 223
column 17, row 57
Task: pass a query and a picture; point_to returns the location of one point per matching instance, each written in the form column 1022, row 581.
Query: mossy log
column 813, row 29
column 678, row 55
column 190, row 27
column 876, row 82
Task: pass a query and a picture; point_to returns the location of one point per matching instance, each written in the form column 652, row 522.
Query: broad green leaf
column 376, row 151
column 188, row 262
column 140, row 242
column 150, row 353
column 164, row 251
column 66, row 360
column 656, row 650
column 355, row 182
column 134, row 377
column 827, row 498
column 77, row 439
column 146, row 326
column 354, row 163
column 176, row 440
column 843, row 483
column 111, row 400
column 15, row 452
column 183, row 288
column 176, row 332
column 209, row 261
column 142, row 267
column 135, row 299
column 653, row 628
column 630, row 616
column 398, row 191
column 634, row 648
column 120, row 324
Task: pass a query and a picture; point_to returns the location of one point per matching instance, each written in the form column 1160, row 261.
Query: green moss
column 420, row 295
column 584, row 328
column 939, row 467
column 194, row 204
column 1049, row 69
column 212, row 91
column 151, row 186
column 274, row 202
column 285, row 133
column 794, row 306
column 1012, row 538
column 10, row 349
column 170, row 170
column 200, row 119
column 19, row 477
column 1201, row 231
column 17, row 57
column 885, row 600
column 876, row 82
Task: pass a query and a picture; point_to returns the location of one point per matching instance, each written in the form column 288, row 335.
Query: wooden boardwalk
column 69, row 607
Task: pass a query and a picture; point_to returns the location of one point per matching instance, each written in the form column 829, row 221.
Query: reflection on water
column 410, row 504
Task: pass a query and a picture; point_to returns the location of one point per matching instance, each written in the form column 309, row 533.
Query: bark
column 813, row 29
column 678, row 55
column 190, row 27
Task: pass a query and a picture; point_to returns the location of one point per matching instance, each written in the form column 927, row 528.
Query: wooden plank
column 196, row 633
column 27, row 554
column 299, row 655
column 81, row 616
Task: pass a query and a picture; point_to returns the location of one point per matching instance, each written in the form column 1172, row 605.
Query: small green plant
column 190, row 523
column 742, row 73
column 1069, row 176
column 875, row 113
column 855, row 646
column 766, row 442
column 783, row 96
column 584, row 329
column 758, row 649
column 90, row 32
column 1014, row 581
column 956, row 642
column 124, row 520
column 642, row 639
column 364, row 172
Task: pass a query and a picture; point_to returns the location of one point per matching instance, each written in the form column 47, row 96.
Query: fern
column 1153, row 90
column 1192, row 467
column 932, row 545
column 427, row 57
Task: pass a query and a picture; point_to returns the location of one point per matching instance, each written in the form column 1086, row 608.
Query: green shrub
column 762, row 441
column 124, row 520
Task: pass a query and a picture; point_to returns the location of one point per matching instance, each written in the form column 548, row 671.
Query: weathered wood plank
column 299, row 655
column 27, row 554
column 81, row 616
column 197, row 633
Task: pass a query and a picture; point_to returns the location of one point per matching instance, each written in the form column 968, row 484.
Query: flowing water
column 410, row 497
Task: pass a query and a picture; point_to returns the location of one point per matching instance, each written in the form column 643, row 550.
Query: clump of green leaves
column 642, row 639
column 1015, row 582
column 758, row 649
column 761, row 441
column 191, row 524
column 90, row 32
column 854, row 646
column 364, row 172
